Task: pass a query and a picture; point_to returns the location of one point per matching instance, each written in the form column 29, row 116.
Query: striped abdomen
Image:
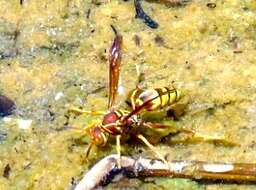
column 154, row 99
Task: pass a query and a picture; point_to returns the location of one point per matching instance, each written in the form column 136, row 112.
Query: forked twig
column 107, row 168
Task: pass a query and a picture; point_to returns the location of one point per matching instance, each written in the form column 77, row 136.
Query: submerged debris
column 175, row 2
column 24, row 124
column 3, row 136
column 140, row 13
column 159, row 40
column 143, row 16
column 7, row 171
column 211, row 5
column 9, row 33
column 137, row 40
column 106, row 170
column 7, row 106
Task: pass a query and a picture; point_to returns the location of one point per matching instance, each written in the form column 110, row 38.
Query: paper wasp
column 120, row 123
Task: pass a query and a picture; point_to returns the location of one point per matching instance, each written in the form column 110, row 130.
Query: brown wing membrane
column 114, row 67
column 138, row 109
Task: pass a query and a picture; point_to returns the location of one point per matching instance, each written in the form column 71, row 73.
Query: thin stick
column 106, row 169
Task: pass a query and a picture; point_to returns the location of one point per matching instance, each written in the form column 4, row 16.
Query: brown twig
column 106, row 169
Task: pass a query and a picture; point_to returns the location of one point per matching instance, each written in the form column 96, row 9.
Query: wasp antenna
column 114, row 29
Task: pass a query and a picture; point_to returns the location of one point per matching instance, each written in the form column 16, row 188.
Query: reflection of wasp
column 121, row 123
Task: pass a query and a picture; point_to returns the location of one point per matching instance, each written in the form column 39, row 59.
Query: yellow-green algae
column 51, row 46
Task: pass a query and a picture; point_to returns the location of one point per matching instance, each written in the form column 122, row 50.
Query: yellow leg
column 118, row 149
column 196, row 138
column 81, row 111
column 142, row 138
column 214, row 139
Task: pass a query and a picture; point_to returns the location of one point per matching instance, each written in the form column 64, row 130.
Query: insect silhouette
column 120, row 123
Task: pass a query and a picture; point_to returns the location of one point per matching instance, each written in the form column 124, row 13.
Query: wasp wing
column 149, row 101
column 114, row 67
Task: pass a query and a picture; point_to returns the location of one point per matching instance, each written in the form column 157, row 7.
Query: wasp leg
column 222, row 140
column 88, row 149
column 143, row 139
column 196, row 137
column 79, row 111
column 118, row 150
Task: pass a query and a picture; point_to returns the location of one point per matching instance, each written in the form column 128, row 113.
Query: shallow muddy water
column 54, row 54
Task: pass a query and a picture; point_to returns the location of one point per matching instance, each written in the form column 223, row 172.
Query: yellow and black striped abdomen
column 156, row 98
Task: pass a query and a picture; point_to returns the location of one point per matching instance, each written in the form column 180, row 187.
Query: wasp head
column 98, row 137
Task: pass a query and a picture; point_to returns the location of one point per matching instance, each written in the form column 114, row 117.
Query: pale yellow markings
column 173, row 97
column 133, row 98
column 165, row 97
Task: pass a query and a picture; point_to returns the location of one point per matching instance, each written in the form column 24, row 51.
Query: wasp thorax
column 98, row 136
column 112, row 122
column 110, row 117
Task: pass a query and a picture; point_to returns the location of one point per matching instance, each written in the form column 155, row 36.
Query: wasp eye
column 98, row 137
